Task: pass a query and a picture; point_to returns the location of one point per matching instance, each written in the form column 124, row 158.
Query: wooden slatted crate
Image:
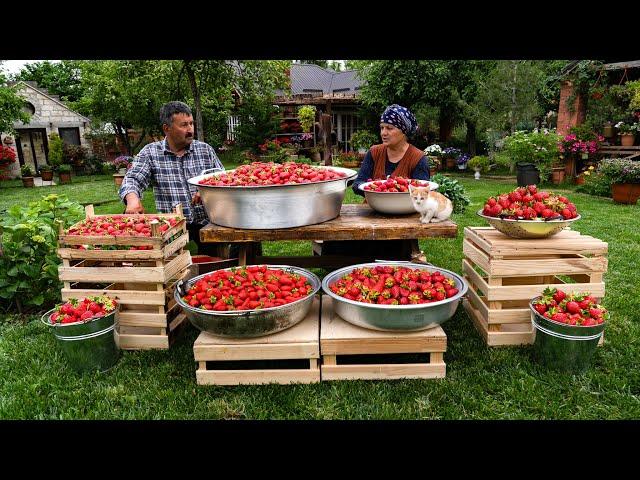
column 505, row 273
column 289, row 356
column 142, row 281
column 353, row 353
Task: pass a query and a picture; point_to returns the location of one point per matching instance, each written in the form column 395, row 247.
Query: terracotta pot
column 28, row 182
column 118, row 178
column 47, row 175
column 627, row 193
column 65, row 177
column 627, row 139
column 608, row 131
column 579, row 180
column 557, row 175
column 432, row 171
column 451, row 163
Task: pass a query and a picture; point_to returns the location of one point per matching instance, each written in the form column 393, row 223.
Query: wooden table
column 355, row 222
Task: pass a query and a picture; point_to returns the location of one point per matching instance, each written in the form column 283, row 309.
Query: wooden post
column 88, row 211
column 325, row 123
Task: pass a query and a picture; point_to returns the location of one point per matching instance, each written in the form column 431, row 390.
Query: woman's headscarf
column 401, row 118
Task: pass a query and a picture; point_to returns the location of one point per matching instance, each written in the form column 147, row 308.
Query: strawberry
column 573, row 307
column 540, row 307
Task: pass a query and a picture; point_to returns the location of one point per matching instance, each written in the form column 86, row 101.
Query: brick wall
column 567, row 118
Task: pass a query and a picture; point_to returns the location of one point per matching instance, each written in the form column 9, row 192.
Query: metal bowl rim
column 194, row 182
column 340, row 271
column 362, row 185
column 245, row 313
column 537, row 222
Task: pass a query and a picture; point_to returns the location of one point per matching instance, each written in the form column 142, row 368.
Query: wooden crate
column 261, row 360
column 354, row 353
column 142, row 281
column 505, row 273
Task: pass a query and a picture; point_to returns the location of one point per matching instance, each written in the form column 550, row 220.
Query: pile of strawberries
column 120, row 226
column 527, row 203
column 387, row 285
column 573, row 309
column 247, row 288
column 83, row 310
column 260, row 173
column 394, row 184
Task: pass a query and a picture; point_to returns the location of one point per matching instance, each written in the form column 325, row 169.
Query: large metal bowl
column 394, row 318
column 394, row 203
column 249, row 323
column 274, row 206
column 527, row 228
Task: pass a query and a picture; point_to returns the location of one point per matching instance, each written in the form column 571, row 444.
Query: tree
column 11, row 107
column 127, row 94
column 320, row 63
column 60, row 78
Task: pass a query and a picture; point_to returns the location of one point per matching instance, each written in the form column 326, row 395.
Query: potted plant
column 532, row 154
column 46, row 172
column 627, row 132
column 434, row 165
column 7, row 158
column 361, row 140
column 462, row 161
column 450, row 154
column 307, row 116
column 608, row 131
column 580, row 179
column 624, row 177
column 64, row 173
column 479, row 164
column 27, row 176
column 122, row 164
column 349, row 159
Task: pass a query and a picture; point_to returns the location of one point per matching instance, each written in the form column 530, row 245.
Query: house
column 48, row 114
column 334, row 93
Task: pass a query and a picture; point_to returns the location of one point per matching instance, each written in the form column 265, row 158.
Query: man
column 168, row 164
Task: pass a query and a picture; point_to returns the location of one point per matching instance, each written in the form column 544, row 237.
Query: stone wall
column 566, row 117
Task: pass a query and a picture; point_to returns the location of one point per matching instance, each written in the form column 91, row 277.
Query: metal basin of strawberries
column 392, row 203
column 394, row 318
column 274, row 206
column 248, row 323
column 528, row 228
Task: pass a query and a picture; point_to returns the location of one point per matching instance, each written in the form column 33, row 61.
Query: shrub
column 56, row 150
column 363, row 139
column 25, row 171
column 596, row 184
column 455, row 192
column 29, row 260
column 479, row 162
column 619, row 170
column 539, row 148
column 307, row 116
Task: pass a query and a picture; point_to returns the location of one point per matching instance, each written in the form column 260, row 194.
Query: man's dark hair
column 169, row 109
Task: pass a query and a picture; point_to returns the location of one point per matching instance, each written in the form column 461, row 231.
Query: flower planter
column 28, row 182
column 627, row 139
column 477, row 174
column 627, row 193
column 557, row 175
column 462, row 167
column 608, row 131
column 64, row 177
column 579, row 180
column 118, row 178
column 451, row 163
column 47, row 175
column 432, row 171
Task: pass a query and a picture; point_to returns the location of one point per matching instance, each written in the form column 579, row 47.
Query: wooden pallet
column 354, row 353
column 505, row 273
column 261, row 360
column 143, row 281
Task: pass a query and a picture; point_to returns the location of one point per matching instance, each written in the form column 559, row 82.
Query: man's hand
column 196, row 199
column 134, row 205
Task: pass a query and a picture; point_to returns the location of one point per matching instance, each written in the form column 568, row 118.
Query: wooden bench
column 608, row 151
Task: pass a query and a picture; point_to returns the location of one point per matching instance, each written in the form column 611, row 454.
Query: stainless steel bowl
column 268, row 207
column 394, row 203
column 527, row 228
column 405, row 318
column 248, row 323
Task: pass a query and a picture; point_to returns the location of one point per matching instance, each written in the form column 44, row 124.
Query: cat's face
column 418, row 194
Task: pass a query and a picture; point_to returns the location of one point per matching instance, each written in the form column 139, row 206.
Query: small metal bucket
column 87, row 346
column 566, row 348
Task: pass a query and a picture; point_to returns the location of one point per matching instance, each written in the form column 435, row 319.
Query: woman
column 395, row 157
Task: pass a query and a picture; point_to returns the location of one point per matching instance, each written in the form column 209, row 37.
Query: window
column 29, row 108
column 70, row 136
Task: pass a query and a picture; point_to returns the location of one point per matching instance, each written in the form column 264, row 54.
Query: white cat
column 433, row 207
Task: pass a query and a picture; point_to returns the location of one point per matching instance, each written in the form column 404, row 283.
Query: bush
column 619, row 170
column 480, row 162
column 29, row 260
column 363, row 139
column 451, row 189
column 307, row 116
column 25, row 171
column 56, row 150
column 539, row 148
column 596, row 184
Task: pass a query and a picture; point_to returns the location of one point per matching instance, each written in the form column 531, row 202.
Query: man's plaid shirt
column 156, row 165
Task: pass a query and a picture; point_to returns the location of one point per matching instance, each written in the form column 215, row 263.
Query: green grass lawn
column 481, row 382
